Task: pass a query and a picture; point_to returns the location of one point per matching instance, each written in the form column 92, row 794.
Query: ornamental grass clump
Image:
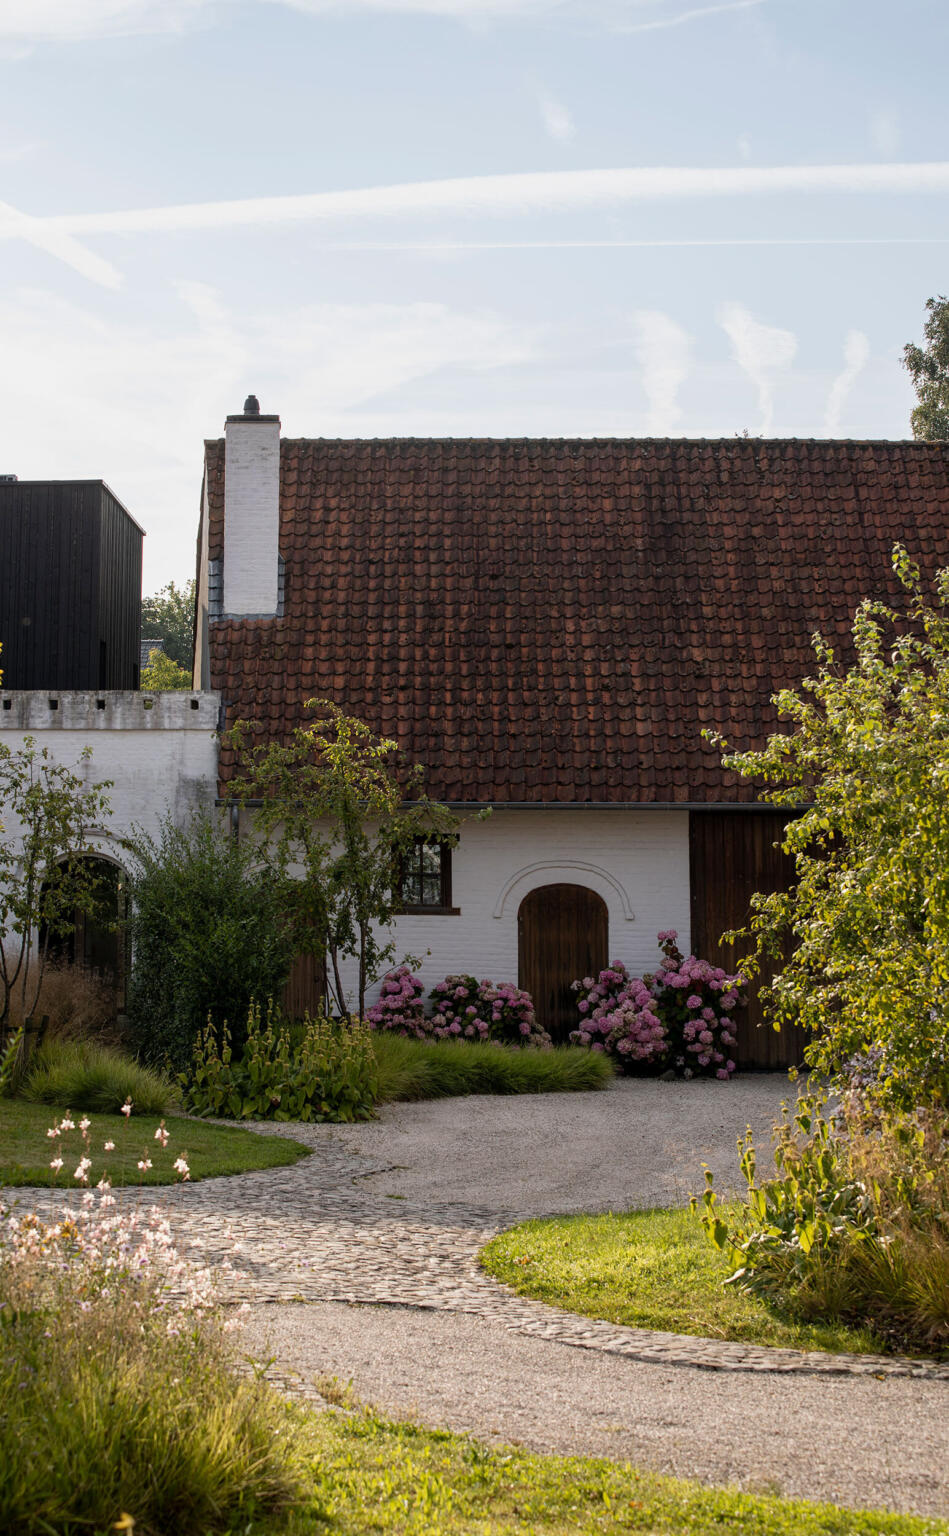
column 120, row 1399
column 401, row 1006
column 468, row 1009
column 854, row 1225
column 96, row 1078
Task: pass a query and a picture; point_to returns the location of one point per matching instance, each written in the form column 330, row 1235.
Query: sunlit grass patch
column 211, row 1150
column 370, row 1475
column 649, row 1269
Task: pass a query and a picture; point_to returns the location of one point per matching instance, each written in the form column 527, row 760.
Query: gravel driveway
column 360, row 1263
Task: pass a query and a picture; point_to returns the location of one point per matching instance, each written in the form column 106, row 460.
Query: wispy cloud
column 37, row 21
column 761, row 351
column 663, row 350
column 12, row 152
column 510, row 195
column 85, row 393
column 681, row 18
column 856, row 357
column 56, row 242
column 555, row 117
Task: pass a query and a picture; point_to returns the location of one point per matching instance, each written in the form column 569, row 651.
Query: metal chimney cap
column 251, row 406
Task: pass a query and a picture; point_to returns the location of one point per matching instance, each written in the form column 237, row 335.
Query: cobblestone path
column 314, row 1232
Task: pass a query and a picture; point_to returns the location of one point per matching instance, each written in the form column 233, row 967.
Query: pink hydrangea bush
column 468, row 1009
column 601, row 994
column 400, row 1007
column 617, row 1015
column 696, row 1002
column 458, row 1012
column 680, row 1016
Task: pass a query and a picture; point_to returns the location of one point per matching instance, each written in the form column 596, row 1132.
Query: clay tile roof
column 557, row 620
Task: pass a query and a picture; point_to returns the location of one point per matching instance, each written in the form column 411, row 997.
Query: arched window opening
column 94, row 938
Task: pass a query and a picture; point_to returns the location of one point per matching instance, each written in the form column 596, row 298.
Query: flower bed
column 122, row 1404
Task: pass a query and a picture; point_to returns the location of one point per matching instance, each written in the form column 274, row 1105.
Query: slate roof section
column 555, row 621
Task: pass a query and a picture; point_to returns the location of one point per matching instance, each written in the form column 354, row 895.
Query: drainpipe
column 235, row 821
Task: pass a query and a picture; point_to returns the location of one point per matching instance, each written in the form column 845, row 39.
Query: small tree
column 212, row 934
column 336, row 810
column 164, row 675
column 928, row 367
column 169, row 615
column 45, row 876
column 868, row 756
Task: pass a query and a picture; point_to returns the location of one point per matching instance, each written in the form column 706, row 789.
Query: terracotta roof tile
column 557, row 620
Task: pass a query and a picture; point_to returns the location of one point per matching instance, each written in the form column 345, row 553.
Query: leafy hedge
column 212, row 930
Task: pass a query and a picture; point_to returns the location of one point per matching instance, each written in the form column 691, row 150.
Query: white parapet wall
column 159, row 750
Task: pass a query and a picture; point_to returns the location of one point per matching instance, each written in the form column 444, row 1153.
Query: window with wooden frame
column 424, row 879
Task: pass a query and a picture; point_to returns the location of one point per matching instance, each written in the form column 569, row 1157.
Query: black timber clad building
column 70, row 586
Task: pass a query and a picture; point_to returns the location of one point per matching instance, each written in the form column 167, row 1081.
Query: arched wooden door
column 562, row 935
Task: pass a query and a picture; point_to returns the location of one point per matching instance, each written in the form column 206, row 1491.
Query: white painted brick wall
column 638, row 861
column 251, row 515
column 162, row 759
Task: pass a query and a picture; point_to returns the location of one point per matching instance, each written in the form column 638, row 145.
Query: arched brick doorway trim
column 562, row 935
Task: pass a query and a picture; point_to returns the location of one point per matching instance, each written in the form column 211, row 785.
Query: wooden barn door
column 732, row 855
column 305, row 988
column 562, row 935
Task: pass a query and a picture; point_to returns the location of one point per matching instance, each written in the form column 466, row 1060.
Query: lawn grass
column 650, row 1269
column 439, row 1069
column 370, row 1475
column 210, row 1150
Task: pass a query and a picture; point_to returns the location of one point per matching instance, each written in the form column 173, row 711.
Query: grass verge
column 419, row 1069
column 650, row 1269
column 370, row 1475
column 211, row 1150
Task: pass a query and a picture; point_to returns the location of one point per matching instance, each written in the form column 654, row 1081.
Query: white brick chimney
column 251, row 513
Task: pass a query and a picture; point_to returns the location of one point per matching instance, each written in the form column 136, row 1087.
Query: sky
column 457, row 218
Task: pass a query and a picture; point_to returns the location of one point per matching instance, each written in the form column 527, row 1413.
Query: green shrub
column 322, row 1069
column 855, row 1224
column 413, row 1069
column 213, row 929
column 95, row 1078
column 861, row 936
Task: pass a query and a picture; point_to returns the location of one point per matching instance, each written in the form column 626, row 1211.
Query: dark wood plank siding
column 305, row 988
column 732, row 855
column 120, row 596
column 562, row 935
column 60, row 580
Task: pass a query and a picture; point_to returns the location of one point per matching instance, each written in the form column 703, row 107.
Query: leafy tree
column 164, row 675
column 45, row 876
column 928, row 367
column 867, row 755
column 337, row 811
column 211, row 935
column 168, row 616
